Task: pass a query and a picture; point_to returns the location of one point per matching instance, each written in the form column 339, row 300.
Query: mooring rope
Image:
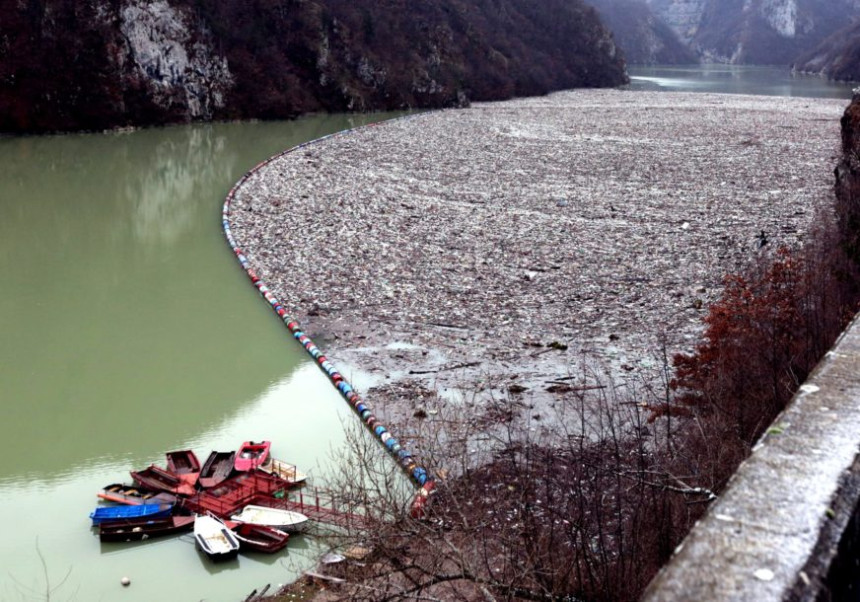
column 404, row 458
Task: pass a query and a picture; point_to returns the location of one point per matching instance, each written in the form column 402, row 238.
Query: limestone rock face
column 175, row 58
column 683, row 16
column 781, row 16
column 769, row 32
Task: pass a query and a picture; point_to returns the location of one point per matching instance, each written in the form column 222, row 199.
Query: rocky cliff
column 68, row 65
column 643, row 36
column 848, row 181
column 683, row 16
column 770, row 32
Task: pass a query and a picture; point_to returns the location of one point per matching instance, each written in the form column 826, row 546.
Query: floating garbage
column 417, row 473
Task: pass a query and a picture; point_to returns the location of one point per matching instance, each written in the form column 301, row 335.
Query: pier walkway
column 256, row 487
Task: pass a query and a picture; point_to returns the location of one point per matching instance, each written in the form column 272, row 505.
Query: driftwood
column 444, row 368
column 255, row 596
column 321, row 577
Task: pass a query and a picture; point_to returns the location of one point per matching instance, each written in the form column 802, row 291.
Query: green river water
column 128, row 329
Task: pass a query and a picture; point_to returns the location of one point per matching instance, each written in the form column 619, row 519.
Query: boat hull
column 214, row 539
column 284, row 471
column 251, row 455
column 216, row 469
column 141, row 529
column 158, row 479
column 260, row 538
column 185, row 465
column 130, row 495
column 114, row 513
column 285, row 520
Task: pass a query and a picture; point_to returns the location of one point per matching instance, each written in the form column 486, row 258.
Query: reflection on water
column 734, row 79
column 164, row 193
column 123, row 312
column 128, row 329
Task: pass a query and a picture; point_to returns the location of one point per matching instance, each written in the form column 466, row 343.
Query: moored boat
column 330, row 558
column 216, row 469
column 134, row 496
column 285, row 520
column 143, row 528
column 184, row 464
column 214, row 538
column 261, row 538
column 251, row 455
column 283, row 470
column 158, row 479
column 112, row 513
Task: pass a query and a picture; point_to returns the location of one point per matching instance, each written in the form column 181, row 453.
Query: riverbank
column 506, row 250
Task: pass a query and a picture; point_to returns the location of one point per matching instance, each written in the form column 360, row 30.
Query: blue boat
column 112, row 513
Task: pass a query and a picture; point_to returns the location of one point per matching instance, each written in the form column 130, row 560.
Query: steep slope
column 683, row 16
column 767, row 31
column 67, row 65
column 770, row 32
column 837, row 57
column 644, row 37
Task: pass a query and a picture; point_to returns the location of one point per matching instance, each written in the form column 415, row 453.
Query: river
column 734, row 79
column 128, row 329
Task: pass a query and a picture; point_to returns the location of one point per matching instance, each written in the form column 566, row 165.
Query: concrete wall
column 787, row 527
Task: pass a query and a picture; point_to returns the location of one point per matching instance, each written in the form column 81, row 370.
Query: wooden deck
column 235, row 493
column 258, row 487
column 322, row 506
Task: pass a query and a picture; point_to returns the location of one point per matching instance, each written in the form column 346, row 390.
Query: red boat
column 184, row 464
column 158, row 479
column 260, row 538
column 216, row 469
column 134, row 496
column 251, row 455
column 139, row 529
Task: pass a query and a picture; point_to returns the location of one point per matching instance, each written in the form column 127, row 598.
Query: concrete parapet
column 787, row 527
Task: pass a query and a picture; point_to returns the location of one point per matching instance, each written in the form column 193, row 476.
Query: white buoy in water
column 125, row 581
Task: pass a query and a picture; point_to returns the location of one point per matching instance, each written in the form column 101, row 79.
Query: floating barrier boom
column 417, row 473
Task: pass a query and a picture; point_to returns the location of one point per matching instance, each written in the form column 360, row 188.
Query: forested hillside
column 837, row 57
column 68, row 65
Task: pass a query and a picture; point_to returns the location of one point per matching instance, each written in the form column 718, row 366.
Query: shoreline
column 503, row 251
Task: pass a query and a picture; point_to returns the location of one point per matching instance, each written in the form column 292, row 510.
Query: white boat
column 214, row 538
column 285, row 520
column 284, row 470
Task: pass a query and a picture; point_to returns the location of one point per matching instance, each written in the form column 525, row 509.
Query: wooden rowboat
column 134, row 496
column 283, row 470
column 216, row 469
column 285, row 520
column 251, row 455
column 214, row 538
column 144, row 528
column 261, row 538
column 158, row 479
column 184, row 464
column 112, row 513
